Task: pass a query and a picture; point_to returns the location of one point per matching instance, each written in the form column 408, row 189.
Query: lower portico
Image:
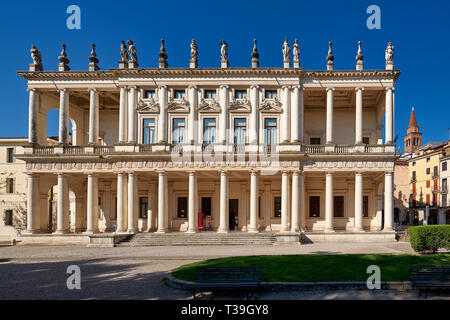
column 297, row 197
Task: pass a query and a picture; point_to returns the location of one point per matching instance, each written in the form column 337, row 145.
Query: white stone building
column 254, row 149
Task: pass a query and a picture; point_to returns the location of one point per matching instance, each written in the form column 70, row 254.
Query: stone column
column 123, row 115
column 132, row 202
column 254, row 194
column 253, row 127
column 120, row 201
column 295, row 114
column 32, row 117
column 92, row 204
column 33, row 205
column 285, row 117
column 358, row 202
column 330, row 95
column 223, row 227
column 63, row 116
column 223, row 119
column 389, row 135
column 106, row 199
column 388, row 202
column 192, row 205
column 93, row 117
column 359, row 116
column 193, row 105
column 329, row 202
column 151, row 208
column 284, row 200
column 162, row 209
column 297, row 181
column 62, row 223
column 132, row 99
column 162, row 99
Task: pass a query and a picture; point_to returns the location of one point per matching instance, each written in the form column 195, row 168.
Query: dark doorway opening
column 233, row 206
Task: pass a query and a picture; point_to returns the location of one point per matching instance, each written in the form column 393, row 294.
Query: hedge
column 429, row 238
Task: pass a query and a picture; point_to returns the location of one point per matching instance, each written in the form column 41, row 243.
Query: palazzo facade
column 252, row 149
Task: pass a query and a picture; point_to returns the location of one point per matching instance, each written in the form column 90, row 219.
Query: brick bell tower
column 413, row 138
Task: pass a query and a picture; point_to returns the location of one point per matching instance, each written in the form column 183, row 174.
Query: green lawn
column 313, row 267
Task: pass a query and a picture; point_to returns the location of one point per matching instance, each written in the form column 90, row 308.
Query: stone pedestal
column 132, row 64
column 123, row 64
column 286, row 64
column 93, row 66
column 224, row 64
column 193, row 64
column 63, row 67
column 35, row 67
column 296, row 64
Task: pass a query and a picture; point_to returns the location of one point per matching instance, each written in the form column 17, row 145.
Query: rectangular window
column 435, row 184
column 314, row 206
column 210, row 94
column 444, row 185
column 150, row 94
column 428, row 199
column 8, row 217
column 338, row 206
column 428, row 183
column 10, row 185
column 314, row 140
column 209, row 130
column 444, row 166
column 277, row 207
column 414, row 176
column 271, row 94
column 270, row 129
column 240, row 94
column 428, row 171
column 366, row 206
column 182, row 207
column 180, row 94
column 365, row 140
column 178, row 130
column 206, row 206
column 143, row 207
column 414, row 164
column 435, row 171
column 240, row 130
column 414, row 188
column 10, row 158
column 259, row 207
column 428, row 159
column 148, row 131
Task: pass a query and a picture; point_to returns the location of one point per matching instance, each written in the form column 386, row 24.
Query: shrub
column 429, row 238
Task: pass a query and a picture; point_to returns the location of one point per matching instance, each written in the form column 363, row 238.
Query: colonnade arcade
column 166, row 200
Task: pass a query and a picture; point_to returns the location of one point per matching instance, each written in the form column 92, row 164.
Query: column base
column 251, row 230
column 358, row 230
column 161, row 231
column 88, row 232
column 329, row 230
column 284, row 229
column 191, row 231
column 133, row 230
column 222, row 231
column 35, row 231
column 387, row 229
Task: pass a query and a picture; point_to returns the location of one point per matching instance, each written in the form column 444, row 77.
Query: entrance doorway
column 233, row 205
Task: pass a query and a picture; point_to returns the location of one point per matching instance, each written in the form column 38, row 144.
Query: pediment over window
column 209, row 106
column 178, row 106
column 271, row 106
column 240, row 105
column 147, row 106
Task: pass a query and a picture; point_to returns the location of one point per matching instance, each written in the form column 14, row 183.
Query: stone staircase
column 201, row 238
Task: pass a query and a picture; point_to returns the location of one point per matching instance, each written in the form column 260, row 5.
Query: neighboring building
column 444, row 212
column 413, row 138
column 424, row 169
column 401, row 191
column 13, row 188
column 254, row 149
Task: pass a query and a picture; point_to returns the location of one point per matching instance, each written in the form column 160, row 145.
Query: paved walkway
column 39, row 272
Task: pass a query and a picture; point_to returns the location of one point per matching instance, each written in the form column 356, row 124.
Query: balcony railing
column 210, row 148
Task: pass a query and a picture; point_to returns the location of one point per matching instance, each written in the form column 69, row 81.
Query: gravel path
column 40, row 272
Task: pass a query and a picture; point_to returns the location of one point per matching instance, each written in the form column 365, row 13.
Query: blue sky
column 419, row 31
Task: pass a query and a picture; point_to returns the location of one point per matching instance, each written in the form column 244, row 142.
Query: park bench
column 425, row 278
column 227, row 278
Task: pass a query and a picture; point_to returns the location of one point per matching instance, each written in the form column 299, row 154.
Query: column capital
column 254, row 86
column 389, row 173
column 329, row 173
column 32, row 89
column 285, row 87
column 92, row 89
column 297, row 86
column 192, row 86
column 132, row 87
column 162, row 86
column 223, row 172
column 254, row 172
column 297, row 173
column 358, row 173
column 224, row 86
column 359, row 88
column 330, row 89
column 61, row 174
column 191, row 172
column 390, row 88
column 160, row 171
column 285, row 172
column 62, row 90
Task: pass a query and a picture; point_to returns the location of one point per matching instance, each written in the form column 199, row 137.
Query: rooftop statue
column 124, row 51
column 286, row 50
column 132, row 51
column 389, row 53
column 194, row 50
column 223, row 50
column 296, row 50
column 36, row 55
